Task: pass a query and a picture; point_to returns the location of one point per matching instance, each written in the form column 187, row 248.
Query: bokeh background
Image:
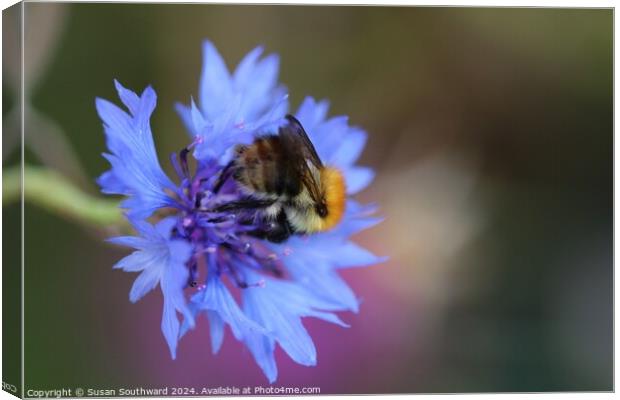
column 491, row 132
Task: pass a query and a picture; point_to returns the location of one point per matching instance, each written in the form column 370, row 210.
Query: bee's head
column 325, row 213
column 321, row 209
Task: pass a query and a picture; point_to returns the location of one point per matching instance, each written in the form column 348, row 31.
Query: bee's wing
column 301, row 150
column 298, row 134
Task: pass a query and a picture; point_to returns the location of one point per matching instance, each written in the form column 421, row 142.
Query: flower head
column 202, row 248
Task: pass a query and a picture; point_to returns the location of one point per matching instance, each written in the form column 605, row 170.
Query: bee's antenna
column 223, row 177
column 182, row 167
column 183, row 156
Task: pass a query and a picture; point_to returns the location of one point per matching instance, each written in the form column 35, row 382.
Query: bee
column 283, row 178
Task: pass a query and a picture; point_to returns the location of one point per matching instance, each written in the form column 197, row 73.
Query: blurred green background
column 491, row 131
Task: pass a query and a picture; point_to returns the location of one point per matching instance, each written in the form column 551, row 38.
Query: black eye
column 321, row 209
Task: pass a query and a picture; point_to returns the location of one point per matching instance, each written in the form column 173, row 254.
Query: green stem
column 51, row 191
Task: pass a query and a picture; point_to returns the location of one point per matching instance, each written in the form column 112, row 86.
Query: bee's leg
column 278, row 235
column 279, row 230
column 243, row 204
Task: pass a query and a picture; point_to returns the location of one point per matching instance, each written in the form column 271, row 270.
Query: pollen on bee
column 333, row 183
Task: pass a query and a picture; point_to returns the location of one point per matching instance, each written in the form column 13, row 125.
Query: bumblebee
column 283, row 178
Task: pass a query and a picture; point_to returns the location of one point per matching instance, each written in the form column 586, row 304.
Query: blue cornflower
column 198, row 253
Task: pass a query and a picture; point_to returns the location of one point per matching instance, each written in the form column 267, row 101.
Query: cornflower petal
column 161, row 260
column 135, row 172
column 235, row 107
